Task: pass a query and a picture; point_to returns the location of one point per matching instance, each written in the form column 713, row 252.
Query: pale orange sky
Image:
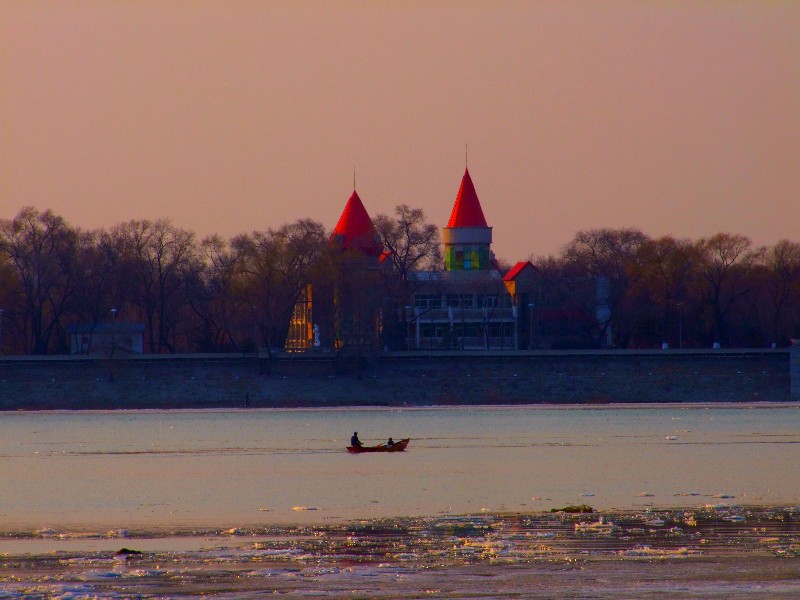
column 677, row 118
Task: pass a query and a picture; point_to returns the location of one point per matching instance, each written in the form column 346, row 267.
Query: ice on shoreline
column 399, row 551
column 395, row 551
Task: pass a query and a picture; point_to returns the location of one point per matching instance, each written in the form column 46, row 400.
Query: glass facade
column 466, row 258
column 301, row 328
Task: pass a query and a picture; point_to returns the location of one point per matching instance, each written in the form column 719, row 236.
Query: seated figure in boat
column 390, row 443
column 354, row 441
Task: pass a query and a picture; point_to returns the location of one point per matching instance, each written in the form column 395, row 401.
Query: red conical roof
column 467, row 210
column 355, row 230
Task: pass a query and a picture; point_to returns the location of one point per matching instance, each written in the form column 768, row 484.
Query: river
column 211, row 468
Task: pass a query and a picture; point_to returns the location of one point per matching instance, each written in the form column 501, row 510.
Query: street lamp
column 407, row 310
column 113, row 329
column 531, row 306
column 113, row 343
column 255, row 331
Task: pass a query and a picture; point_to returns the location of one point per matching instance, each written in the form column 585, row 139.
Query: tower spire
column 355, row 230
column 467, row 211
column 467, row 238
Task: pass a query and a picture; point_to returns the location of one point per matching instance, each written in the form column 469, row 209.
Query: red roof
column 517, row 269
column 355, row 230
column 467, row 210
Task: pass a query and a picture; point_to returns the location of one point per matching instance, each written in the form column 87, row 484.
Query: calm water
column 154, row 469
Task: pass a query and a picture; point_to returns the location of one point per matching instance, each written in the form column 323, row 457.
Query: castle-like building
column 469, row 304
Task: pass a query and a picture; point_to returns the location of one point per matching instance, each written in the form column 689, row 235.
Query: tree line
column 693, row 294
column 192, row 295
column 238, row 294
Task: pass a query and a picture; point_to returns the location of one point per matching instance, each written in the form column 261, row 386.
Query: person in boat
column 390, row 443
column 354, row 441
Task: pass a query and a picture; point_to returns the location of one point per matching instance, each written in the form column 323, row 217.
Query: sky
column 229, row 116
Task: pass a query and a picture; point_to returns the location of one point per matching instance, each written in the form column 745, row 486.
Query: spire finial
column 354, row 178
column 466, row 155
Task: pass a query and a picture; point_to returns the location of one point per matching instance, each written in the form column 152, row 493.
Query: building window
column 460, row 300
column 431, row 330
column 493, row 301
column 488, row 301
column 450, row 258
column 465, row 330
column 428, row 301
column 500, row 330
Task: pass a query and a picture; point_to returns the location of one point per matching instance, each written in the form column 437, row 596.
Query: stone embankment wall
column 398, row 379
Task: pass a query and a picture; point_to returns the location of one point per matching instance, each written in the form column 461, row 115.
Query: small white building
column 103, row 338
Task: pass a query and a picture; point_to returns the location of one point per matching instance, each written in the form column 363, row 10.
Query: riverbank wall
column 399, row 379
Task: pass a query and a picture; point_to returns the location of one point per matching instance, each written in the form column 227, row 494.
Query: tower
column 467, row 238
column 357, row 321
column 355, row 230
column 343, row 311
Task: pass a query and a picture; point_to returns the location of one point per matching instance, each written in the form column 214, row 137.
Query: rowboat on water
column 396, row 447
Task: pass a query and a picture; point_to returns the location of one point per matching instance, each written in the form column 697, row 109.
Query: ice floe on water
column 98, row 575
column 234, row 531
column 46, row 532
column 734, row 518
column 649, row 552
column 401, row 557
column 117, row 533
column 600, row 526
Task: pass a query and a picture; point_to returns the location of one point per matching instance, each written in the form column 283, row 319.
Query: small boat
column 396, row 447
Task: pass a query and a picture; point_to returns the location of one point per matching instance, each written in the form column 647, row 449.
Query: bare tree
column 275, row 266
column 782, row 264
column 214, row 292
column 724, row 264
column 610, row 254
column 661, row 281
column 98, row 287
column 156, row 256
column 412, row 246
column 41, row 248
